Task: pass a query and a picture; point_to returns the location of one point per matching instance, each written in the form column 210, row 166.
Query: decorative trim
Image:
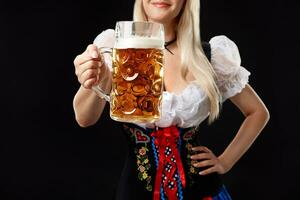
column 143, row 166
column 140, row 137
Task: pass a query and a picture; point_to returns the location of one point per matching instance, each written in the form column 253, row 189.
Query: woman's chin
column 160, row 19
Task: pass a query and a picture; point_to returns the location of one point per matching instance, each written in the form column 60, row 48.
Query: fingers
column 205, row 163
column 91, row 53
column 91, row 64
column 89, row 83
column 88, row 67
column 89, row 77
column 208, row 171
column 201, row 156
column 88, row 70
column 201, row 148
column 208, row 160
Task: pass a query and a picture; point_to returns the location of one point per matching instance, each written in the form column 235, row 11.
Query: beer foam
column 139, row 42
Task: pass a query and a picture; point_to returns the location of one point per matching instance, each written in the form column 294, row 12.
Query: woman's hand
column 90, row 68
column 209, row 161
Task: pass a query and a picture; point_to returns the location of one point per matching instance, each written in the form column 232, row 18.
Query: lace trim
column 234, row 84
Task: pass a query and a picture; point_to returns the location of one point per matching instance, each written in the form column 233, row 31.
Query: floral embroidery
column 188, row 135
column 143, row 166
column 141, row 141
column 142, row 151
column 192, row 170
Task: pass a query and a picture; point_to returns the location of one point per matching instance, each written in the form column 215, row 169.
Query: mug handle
column 96, row 88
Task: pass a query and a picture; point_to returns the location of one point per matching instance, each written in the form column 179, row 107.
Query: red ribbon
column 163, row 138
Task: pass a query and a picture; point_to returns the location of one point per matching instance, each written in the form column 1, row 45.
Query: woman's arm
column 90, row 70
column 257, row 116
column 88, row 107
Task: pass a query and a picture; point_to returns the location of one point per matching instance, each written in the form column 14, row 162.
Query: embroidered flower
column 142, row 151
column 149, row 187
column 145, row 175
column 142, row 168
column 141, row 142
column 192, row 170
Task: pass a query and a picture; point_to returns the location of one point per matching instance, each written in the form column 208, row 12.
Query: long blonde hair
column 192, row 55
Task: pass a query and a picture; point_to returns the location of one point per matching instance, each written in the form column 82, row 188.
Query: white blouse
column 192, row 106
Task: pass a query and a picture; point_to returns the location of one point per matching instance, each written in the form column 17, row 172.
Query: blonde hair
column 192, row 55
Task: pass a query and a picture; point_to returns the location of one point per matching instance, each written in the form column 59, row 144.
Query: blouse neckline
column 189, row 85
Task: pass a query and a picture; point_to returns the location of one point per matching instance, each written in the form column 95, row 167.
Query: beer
column 137, row 75
column 137, row 83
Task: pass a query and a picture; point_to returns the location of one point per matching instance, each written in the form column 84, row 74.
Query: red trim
column 163, row 138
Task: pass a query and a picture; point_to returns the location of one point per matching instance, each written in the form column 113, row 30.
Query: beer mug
column 137, row 79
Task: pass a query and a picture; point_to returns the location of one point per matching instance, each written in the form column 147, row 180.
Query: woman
column 197, row 80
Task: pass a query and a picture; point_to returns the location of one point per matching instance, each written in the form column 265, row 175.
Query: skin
column 88, row 108
column 90, row 70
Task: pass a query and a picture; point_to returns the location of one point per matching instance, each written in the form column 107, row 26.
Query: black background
column 46, row 155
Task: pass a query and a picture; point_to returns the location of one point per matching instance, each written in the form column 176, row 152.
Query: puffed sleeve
column 106, row 39
column 226, row 61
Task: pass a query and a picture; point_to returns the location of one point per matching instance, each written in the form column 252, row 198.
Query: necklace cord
column 169, row 43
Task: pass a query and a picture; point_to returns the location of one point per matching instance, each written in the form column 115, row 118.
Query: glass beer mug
column 137, row 79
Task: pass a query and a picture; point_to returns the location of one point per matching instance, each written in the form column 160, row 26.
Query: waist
column 145, row 145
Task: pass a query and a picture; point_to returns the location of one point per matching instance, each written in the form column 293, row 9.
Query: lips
column 161, row 4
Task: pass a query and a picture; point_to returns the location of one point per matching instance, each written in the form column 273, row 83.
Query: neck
column 169, row 31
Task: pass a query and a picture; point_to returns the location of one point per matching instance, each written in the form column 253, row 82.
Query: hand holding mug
column 137, row 71
column 90, row 68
